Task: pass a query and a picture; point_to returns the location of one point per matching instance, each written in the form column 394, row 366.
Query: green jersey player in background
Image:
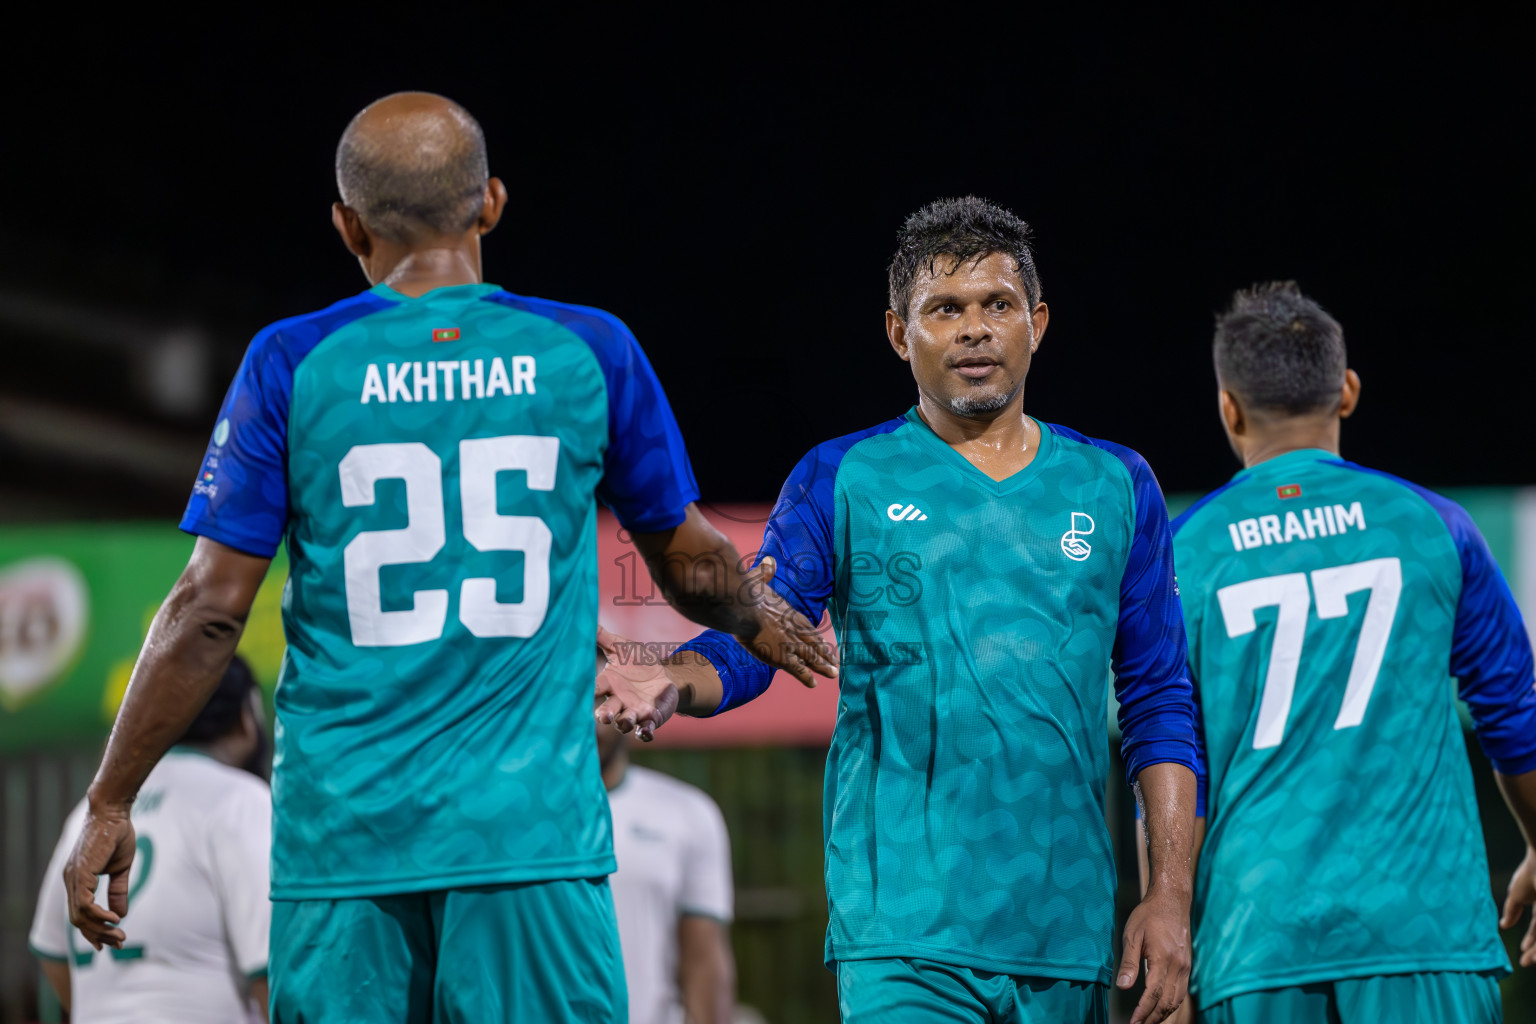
column 431, row 452
column 984, row 572
column 1328, row 606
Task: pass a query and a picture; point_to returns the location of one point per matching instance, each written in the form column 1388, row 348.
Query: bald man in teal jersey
column 431, row 452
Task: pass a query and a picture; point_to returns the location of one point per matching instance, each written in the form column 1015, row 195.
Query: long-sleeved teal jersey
column 1328, row 607
column 433, row 465
column 978, row 621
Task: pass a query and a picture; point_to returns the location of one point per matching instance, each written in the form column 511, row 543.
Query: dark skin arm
column 706, row 970
column 699, row 572
column 57, row 973
column 1186, row 1013
column 1158, row 929
column 1520, row 794
column 189, row 645
column 260, row 995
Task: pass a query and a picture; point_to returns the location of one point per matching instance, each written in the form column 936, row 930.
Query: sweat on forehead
column 413, row 165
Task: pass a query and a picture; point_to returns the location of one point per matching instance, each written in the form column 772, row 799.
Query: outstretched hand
column 634, row 696
column 785, row 639
column 105, row 847
column 1157, row 933
column 1522, row 893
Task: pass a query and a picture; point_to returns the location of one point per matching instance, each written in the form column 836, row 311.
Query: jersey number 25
column 423, row 536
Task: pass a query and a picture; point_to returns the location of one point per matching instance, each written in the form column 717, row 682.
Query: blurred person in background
column 672, row 892
column 199, row 888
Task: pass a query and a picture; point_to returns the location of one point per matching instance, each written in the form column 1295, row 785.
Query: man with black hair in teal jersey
column 1328, row 606
column 985, row 571
column 431, row 452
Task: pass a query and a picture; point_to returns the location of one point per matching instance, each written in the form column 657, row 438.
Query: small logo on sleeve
column 909, row 513
column 445, row 334
column 221, row 432
column 1072, row 543
column 1289, row 491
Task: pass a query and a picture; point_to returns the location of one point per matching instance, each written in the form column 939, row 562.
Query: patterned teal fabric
column 432, row 465
column 1321, row 604
column 503, row 954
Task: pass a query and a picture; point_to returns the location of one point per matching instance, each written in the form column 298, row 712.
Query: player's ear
column 896, row 331
column 1041, row 317
column 1232, row 414
column 495, row 205
column 350, row 227
column 1349, row 395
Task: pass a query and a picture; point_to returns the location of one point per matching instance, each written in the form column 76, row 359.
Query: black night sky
column 731, row 189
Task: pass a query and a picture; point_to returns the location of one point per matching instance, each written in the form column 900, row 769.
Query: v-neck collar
column 1007, row 484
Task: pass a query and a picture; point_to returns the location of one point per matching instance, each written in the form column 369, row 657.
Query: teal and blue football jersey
column 433, row 466
column 978, row 622
column 1328, row 607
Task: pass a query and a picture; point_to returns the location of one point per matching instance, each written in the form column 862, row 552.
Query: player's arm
column 238, row 510
column 49, row 938
column 706, row 970
column 189, row 645
column 721, row 669
column 706, row 967
column 1492, row 662
column 1158, row 743
column 57, row 973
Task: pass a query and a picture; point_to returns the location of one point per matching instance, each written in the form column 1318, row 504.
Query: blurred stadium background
column 75, row 601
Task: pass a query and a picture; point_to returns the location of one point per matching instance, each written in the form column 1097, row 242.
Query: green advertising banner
column 75, row 604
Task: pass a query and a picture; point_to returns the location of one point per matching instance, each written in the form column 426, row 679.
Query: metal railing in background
column 37, row 792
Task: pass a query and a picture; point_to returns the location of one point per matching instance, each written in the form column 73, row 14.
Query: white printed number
column 423, row 536
column 1383, row 577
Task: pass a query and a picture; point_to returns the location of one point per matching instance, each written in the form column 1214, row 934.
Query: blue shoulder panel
column 799, row 537
column 647, row 478
column 1150, row 656
column 1490, row 648
column 241, row 495
column 1185, row 516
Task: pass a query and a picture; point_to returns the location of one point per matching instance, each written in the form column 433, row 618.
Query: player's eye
column 1001, row 305
column 949, row 308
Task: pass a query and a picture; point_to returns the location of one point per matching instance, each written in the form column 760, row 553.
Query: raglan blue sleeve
column 1491, row 651
column 647, row 478
column 799, row 537
column 1150, row 660
column 240, row 498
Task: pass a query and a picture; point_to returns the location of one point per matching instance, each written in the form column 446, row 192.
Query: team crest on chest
column 1072, row 543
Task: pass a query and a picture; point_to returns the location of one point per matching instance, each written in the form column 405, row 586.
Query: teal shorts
column 1449, row 997
column 534, row 951
column 896, row 991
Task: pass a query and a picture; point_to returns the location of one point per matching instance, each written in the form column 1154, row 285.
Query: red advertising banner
column 789, row 714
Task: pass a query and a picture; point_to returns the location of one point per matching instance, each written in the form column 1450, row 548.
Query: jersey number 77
column 1382, row 577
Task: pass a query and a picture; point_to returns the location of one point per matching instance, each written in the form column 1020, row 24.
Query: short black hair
column 221, row 715
column 411, row 187
column 966, row 229
column 1280, row 351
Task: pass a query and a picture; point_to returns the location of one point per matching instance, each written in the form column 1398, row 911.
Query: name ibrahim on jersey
column 969, row 870
column 1327, row 606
